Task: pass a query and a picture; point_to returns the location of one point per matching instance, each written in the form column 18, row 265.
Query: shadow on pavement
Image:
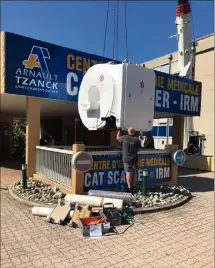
column 187, row 177
column 188, row 171
column 198, row 184
column 13, row 164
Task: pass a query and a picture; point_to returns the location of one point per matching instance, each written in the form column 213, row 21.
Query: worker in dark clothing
column 130, row 146
column 149, row 141
column 44, row 141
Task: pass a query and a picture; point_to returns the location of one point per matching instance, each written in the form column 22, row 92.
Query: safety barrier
column 107, row 171
column 54, row 164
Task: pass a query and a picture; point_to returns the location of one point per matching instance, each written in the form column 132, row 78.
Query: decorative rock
column 55, row 189
column 138, row 204
column 59, row 195
column 143, row 203
column 38, row 192
column 162, row 196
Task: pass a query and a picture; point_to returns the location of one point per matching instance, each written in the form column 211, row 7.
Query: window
column 162, row 68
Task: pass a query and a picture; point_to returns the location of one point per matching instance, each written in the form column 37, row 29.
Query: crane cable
column 116, row 29
column 126, row 30
column 193, row 43
column 106, row 25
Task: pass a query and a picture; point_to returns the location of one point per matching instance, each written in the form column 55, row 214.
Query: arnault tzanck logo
column 34, row 73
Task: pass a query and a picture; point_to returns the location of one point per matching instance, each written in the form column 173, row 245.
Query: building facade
column 204, row 72
column 57, row 115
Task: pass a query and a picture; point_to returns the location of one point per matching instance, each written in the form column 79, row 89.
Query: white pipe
column 93, row 200
column 41, row 211
column 168, row 121
column 158, row 134
column 71, row 214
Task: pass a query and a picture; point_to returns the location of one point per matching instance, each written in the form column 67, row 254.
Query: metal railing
column 54, row 164
column 97, row 148
column 87, row 148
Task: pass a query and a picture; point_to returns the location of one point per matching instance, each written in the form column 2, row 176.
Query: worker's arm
column 119, row 135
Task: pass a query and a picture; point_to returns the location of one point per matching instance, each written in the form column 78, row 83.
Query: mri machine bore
column 117, row 94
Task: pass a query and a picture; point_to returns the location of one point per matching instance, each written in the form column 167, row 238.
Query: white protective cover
column 125, row 91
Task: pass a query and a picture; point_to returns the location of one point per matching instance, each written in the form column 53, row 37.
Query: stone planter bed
column 161, row 198
column 158, row 197
column 38, row 192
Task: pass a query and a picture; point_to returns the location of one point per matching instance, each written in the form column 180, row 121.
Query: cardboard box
column 81, row 211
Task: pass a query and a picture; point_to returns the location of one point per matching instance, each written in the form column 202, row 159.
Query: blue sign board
column 178, row 95
column 179, row 157
column 108, row 172
column 40, row 69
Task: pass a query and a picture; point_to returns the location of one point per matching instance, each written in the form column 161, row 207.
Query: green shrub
column 19, row 128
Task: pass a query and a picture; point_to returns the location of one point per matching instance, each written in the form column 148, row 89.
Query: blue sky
column 81, row 25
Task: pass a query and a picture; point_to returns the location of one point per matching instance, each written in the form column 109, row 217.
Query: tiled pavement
column 182, row 237
column 9, row 173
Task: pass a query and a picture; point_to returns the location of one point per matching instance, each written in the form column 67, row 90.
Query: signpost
column 179, row 157
column 82, row 161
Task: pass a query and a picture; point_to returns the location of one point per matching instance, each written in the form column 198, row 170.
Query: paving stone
column 7, row 265
column 177, row 238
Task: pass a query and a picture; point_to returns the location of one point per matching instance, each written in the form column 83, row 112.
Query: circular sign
column 82, row 161
column 179, row 157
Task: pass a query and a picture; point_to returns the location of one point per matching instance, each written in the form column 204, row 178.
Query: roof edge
column 173, row 53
